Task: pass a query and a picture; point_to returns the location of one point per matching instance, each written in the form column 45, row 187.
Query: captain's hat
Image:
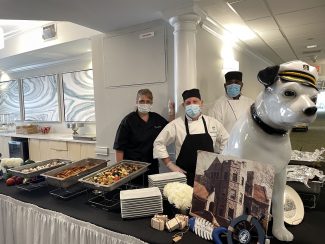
column 299, row 71
column 294, row 71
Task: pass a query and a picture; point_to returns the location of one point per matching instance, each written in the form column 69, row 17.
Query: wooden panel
column 74, row 151
column 58, row 154
column 87, row 150
column 44, row 150
column 58, row 145
column 34, row 149
column 4, row 147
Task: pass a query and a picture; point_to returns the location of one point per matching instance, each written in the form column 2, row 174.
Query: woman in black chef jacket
column 137, row 132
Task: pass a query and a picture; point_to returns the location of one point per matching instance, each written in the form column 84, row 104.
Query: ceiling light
column 241, row 31
column 231, row 7
column 311, row 46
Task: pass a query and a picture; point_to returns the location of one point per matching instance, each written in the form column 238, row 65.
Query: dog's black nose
column 310, row 111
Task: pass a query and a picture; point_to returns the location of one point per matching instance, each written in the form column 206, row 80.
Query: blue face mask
column 193, row 110
column 233, row 90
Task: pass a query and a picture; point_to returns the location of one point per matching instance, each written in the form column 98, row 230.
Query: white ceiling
column 283, row 28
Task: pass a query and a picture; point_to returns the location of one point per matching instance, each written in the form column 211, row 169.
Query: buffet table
column 36, row 217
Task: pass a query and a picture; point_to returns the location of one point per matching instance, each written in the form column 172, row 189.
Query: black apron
column 188, row 154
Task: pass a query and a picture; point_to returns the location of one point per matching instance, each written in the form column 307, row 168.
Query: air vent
column 312, row 51
column 49, row 32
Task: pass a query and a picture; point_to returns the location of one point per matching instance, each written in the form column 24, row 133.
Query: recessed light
column 311, row 46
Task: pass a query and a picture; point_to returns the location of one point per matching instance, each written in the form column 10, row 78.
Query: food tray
column 17, row 170
column 315, row 186
column 100, row 187
column 69, row 181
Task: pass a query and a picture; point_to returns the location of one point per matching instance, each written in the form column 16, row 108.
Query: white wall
column 113, row 104
column 210, row 64
column 32, row 39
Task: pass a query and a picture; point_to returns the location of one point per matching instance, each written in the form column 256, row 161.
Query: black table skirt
column 310, row 231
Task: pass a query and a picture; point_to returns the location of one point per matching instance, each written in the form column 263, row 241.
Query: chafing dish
column 52, row 178
column 87, row 180
column 19, row 171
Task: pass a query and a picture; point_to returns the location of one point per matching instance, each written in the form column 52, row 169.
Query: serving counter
column 38, row 218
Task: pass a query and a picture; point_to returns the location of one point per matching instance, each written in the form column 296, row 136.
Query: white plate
column 293, row 207
column 166, row 176
column 144, row 205
column 140, row 193
column 141, row 200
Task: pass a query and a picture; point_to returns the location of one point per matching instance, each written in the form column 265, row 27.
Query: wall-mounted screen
column 78, row 96
column 41, row 101
column 10, row 101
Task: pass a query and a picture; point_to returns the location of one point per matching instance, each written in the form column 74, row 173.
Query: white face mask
column 193, row 110
column 144, row 108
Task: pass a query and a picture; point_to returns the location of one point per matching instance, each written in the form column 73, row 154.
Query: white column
column 185, row 74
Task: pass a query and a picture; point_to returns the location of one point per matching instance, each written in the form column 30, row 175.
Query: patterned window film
column 78, row 96
column 321, row 97
column 10, row 100
column 40, row 96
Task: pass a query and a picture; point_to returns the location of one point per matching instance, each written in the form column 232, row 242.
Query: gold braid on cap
column 298, row 76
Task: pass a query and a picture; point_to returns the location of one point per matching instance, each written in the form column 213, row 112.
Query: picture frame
column 227, row 187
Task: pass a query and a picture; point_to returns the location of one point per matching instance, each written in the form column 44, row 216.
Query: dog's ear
column 267, row 76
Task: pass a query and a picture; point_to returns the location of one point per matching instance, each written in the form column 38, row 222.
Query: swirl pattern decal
column 78, row 91
column 41, row 98
column 9, row 99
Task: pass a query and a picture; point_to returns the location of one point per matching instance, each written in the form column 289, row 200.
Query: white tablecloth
column 24, row 223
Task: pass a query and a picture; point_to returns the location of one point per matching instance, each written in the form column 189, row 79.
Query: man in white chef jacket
column 231, row 106
column 190, row 133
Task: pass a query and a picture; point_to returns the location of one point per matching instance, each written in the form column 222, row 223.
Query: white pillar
column 185, row 74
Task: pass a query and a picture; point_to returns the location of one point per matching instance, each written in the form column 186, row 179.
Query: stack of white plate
column 141, row 202
column 160, row 180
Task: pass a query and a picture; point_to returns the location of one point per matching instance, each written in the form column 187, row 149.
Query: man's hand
column 173, row 167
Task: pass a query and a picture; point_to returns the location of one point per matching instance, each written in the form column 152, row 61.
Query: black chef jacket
column 135, row 137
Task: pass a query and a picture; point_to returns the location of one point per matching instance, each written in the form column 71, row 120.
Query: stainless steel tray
column 17, row 170
column 115, row 185
column 66, row 182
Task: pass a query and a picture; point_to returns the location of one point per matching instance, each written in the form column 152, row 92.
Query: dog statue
column 262, row 134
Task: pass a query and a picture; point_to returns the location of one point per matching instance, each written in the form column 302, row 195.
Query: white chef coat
column 228, row 110
column 175, row 132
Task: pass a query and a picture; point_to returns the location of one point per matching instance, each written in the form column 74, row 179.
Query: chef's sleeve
column 165, row 138
column 221, row 138
column 122, row 135
column 216, row 112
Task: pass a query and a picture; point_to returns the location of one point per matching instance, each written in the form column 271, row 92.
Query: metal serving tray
column 100, row 187
column 17, row 170
column 69, row 181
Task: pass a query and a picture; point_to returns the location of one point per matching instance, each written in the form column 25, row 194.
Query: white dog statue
column 262, row 135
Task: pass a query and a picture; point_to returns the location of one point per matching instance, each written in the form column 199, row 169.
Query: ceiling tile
column 286, row 6
column 302, row 17
column 262, row 24
column 285, row 52
column 306, row 31
column 270, row 35
column 251, row 9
